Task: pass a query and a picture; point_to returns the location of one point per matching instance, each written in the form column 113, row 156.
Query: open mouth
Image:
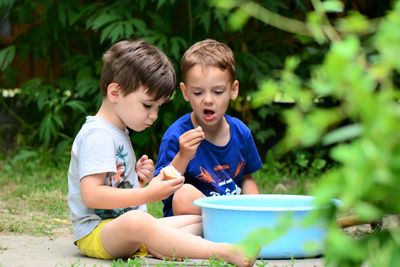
column 208, row 113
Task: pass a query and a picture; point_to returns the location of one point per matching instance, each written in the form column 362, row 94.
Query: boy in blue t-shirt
column 215, row 152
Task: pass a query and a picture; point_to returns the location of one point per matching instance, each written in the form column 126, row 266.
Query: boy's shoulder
column 94, row 126
column 181, row 125
column 95, row 123
column 236, row 123
column 240, row 132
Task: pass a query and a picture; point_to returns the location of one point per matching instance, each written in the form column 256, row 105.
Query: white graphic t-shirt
column 99, row 147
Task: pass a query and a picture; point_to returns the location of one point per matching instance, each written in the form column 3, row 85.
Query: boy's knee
column 182, row 201
column 137, row 220
column 185, row 193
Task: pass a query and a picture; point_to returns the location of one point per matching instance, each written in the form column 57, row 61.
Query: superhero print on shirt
column 221, row 179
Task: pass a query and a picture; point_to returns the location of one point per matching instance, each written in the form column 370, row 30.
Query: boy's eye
column 146, row 106
column 219, row 92
column 197, row 93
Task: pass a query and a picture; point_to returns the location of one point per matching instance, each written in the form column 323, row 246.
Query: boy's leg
column 122, row 236
column 182, row 202
column 189, row 223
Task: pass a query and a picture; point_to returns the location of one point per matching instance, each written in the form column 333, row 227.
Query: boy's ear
column 184, row 91
column 235, row 90
column 114, row 92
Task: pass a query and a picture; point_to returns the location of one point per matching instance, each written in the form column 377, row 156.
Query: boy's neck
column 106, row 113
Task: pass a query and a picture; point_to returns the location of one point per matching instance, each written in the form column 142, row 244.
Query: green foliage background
column 322, row 75
column 69, row 37
column 359, row 125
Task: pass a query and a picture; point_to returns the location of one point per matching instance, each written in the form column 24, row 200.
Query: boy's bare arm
column 95, row 194
column 188, row 144
column 249, row 186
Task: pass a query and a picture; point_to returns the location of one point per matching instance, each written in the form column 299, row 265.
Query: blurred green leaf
column 226, row 4
column 266, row 94
column 177, row 46
column 76, row 105
column 342, row 134
column 333, row 6
column 116, row 31
column 205, row 20
column 6, row 57
column 367, row 211
column 318, row 164
column 238, row 19
column 48, row 128
column 302, row 160
column 101, row 20
column 354, row 23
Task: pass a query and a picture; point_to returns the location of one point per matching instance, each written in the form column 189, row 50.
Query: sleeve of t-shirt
column 96, row 153
column 169, row 147
column 253, row 160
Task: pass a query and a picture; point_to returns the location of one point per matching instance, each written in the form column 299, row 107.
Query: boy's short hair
column 135, row 63
column 209, row 53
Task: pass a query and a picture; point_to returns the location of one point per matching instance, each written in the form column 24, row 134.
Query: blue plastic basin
column 231, row 218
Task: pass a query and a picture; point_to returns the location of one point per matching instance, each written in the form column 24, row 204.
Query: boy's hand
column 170, row 172
column 190, row 141
column 160, row 188
column 145, row 169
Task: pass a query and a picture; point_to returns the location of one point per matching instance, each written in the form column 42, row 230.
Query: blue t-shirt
column 215, row 170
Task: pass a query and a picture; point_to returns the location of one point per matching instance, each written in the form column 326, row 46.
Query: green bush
column 49, row 72
column 360, row 128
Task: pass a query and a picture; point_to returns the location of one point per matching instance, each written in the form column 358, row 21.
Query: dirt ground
column 25, row 250
column 58, row 251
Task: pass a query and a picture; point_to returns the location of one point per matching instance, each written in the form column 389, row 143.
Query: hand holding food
column 170, row 172
column 190, row 141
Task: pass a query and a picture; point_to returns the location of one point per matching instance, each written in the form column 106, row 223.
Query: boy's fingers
column 146, row 173
column 148, row 165
column 196, row 131
column 197, row 137
column 200, row 130
column 143, row 158
column 147, row 161
column 176, row 181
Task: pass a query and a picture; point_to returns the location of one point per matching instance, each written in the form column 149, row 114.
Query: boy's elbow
column 89, row 201
column 90, row 192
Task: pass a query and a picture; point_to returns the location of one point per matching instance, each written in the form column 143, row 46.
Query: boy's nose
column 207, row 98
column 153, row 115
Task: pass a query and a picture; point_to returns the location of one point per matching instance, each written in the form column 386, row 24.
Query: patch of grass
column 33, row 199
column 286, row 178
column 134, row 262
column 33, row 195
column 155, row 209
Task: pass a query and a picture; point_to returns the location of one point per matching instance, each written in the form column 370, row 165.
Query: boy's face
column 137, row 110
column 209, row 92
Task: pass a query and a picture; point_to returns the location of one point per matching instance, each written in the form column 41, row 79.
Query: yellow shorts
column 92, row 246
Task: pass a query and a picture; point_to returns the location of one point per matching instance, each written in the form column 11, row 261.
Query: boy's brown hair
column 209, row 53
column 135, row 63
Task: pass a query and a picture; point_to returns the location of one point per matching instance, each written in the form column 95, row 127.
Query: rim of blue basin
column 214, row 202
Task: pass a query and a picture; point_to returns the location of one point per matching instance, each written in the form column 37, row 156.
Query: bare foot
column 236, row 255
